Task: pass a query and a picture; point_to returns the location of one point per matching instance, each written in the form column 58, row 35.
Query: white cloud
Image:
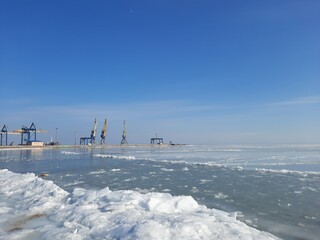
column 298, row 101
column 116, row 111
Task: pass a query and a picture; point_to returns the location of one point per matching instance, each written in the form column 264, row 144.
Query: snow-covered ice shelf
column 34, row 208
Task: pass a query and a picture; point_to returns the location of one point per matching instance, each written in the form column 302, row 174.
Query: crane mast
column 104, row 132
column 124, row 134
column 93, row 132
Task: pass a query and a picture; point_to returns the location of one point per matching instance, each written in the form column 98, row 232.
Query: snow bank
column 33, row 208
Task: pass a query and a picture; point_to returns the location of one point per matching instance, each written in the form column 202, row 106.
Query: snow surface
column 70, row 153
column 113, row 156
column 34, row 208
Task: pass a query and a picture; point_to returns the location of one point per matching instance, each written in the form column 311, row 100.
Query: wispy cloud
column 13, row 102
column 298, row 101
column 137, row 110
column 134, row 110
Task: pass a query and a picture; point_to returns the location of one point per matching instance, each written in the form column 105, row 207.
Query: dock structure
column 4, row 136
column 156, row 140
column 29, row 135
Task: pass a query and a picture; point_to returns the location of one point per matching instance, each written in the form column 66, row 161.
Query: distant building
column 35, row 143
column 156, row 140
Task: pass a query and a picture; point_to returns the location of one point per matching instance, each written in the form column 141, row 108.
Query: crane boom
column 94, row 132
column 104, row 131
column 105, row 128
column 94, row 129
column 28, row 134
column 92, row 139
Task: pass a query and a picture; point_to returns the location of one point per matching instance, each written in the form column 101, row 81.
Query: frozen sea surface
column 273, row 189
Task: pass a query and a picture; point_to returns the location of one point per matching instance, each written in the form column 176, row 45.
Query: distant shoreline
column 21, row 147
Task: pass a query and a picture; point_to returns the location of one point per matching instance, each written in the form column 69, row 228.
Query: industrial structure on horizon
column 124, row 134
column 92, row 139
column 104, row 132
column 4, row 136
column 28, row 135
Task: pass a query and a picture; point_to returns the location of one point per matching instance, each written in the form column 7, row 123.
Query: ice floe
column 34, row 208
column 114, row 156
column 70, row 153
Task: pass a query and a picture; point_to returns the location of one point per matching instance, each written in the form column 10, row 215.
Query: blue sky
column 199, row 72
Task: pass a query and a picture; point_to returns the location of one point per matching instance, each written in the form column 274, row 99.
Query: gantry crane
column 104, row 132
column 28, row 134
column 4, row 136
column 124, row 134
column 4, row 132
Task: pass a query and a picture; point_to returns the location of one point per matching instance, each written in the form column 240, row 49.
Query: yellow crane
column 104, row 132
column 92, row 139
column 124, row 133
column 94, row 132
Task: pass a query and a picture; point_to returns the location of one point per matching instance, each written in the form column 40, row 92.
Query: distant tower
column 104, row 132
column 124, row 134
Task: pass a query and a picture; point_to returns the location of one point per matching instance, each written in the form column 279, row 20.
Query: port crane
column 92, row 138
column 4, row 136
column 94, row 132
column 124, row 134
column 29, row 134
column 104, row 132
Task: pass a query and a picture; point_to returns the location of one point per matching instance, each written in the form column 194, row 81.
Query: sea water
column 274, row 189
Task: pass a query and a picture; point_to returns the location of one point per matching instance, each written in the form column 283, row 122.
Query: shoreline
column 21, row 147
